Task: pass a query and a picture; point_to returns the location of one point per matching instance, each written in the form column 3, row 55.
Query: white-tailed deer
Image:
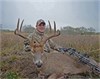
column 54, row 64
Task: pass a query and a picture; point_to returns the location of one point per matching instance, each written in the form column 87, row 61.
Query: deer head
column 37, row 47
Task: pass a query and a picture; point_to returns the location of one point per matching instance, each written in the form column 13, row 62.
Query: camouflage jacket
column 49, row 45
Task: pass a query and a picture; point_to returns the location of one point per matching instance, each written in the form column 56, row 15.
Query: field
column 15, row 63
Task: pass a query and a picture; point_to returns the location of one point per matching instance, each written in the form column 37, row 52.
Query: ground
column 16, row 63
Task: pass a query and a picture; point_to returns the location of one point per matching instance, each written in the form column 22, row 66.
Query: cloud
column 73, row 13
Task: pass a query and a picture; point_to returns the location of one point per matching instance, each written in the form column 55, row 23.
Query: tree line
column 78, row 30
column 64, row 30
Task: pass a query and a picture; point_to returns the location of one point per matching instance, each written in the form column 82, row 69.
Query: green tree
column 28, row 28
column 91, row 29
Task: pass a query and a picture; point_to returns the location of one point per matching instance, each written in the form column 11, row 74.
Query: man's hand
column 27, row 48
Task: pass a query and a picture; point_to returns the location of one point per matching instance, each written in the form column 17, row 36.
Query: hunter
column 38, row 34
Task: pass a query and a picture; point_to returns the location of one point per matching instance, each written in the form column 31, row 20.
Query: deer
column 54, row 64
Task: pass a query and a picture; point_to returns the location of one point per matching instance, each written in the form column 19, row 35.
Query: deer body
column 60, row 64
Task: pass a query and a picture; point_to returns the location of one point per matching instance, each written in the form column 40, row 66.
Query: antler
column 17, row 30
column 56, row 33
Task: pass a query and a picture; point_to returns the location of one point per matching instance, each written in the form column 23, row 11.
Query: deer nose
column 39, row 64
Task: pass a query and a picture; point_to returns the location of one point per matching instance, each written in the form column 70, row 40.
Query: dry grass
column 89, row 44
column 14, row 60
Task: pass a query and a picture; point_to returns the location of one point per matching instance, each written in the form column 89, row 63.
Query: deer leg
column 52, row 76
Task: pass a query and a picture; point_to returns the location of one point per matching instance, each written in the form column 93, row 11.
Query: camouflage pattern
column 49, row 45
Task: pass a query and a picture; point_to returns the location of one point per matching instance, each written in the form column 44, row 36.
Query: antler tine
column 50, row 26
column 54, row 27
column 21, row 24
column 57, row 33
column 18, row 23
column 17, row 30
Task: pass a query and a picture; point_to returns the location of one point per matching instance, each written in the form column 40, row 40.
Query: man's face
column 41, row 27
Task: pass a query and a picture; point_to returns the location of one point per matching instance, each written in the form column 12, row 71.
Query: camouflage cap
column 40, row 21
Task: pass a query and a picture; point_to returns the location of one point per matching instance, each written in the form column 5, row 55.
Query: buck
column 54, row 64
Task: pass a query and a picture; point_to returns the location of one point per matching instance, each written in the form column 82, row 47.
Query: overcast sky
column 74, row 13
